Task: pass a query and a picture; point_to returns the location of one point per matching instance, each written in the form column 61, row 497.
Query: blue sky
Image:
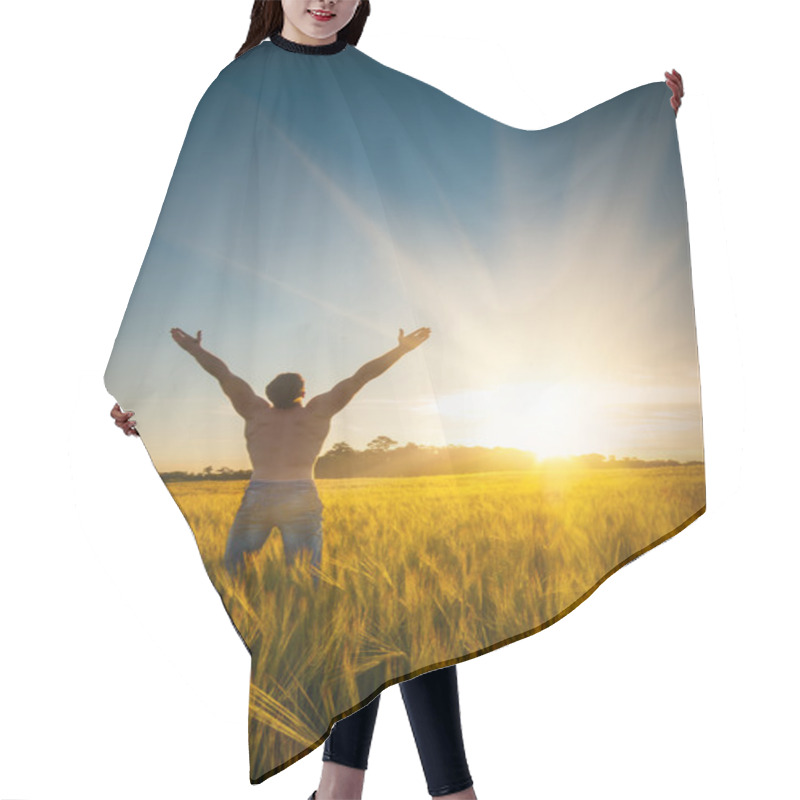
column 551, row 266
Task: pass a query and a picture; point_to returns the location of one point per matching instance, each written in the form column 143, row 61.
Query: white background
column 121, row 675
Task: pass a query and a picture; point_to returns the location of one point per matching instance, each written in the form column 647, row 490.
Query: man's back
column 284, row 443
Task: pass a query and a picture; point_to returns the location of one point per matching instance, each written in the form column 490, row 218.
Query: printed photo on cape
column 419, row 381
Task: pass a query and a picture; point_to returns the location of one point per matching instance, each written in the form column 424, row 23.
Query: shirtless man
column 284, row 439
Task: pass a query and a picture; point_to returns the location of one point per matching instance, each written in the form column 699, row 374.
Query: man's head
column 286, row 390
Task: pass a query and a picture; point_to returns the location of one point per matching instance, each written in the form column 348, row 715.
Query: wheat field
column 420, row 573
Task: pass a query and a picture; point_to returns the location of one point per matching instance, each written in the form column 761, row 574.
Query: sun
column 549, row 419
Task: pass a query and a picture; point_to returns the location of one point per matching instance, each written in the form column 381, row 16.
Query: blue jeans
column 293, row 506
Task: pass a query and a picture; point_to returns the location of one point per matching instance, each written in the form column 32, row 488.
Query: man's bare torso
column 284, row 443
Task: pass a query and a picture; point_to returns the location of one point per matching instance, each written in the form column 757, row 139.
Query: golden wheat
column 421, row 572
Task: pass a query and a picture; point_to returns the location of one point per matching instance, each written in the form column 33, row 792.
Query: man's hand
column 122, row 419
column 189, row 343
column 675, row 82
column 413, row 340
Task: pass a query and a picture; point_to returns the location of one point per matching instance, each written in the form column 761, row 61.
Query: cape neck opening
column 309, row 49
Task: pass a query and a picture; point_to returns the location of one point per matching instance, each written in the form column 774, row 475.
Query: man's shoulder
column 330, row 403
column 321, row 405
column 257, row 406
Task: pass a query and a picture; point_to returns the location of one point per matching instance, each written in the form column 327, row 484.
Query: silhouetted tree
column 381, row 444
column 340, row 449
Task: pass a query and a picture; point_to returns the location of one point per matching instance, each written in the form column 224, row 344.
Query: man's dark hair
column 285, row 390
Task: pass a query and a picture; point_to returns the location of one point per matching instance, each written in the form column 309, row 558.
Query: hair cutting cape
column 399, row 502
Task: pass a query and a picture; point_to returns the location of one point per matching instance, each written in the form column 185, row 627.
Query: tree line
column 382, row 458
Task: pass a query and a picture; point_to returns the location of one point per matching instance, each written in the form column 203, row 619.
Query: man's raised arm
column 337, row 398
column 379, row 365
column 241, row 394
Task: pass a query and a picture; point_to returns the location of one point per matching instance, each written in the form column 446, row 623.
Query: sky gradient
column 308, row 221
